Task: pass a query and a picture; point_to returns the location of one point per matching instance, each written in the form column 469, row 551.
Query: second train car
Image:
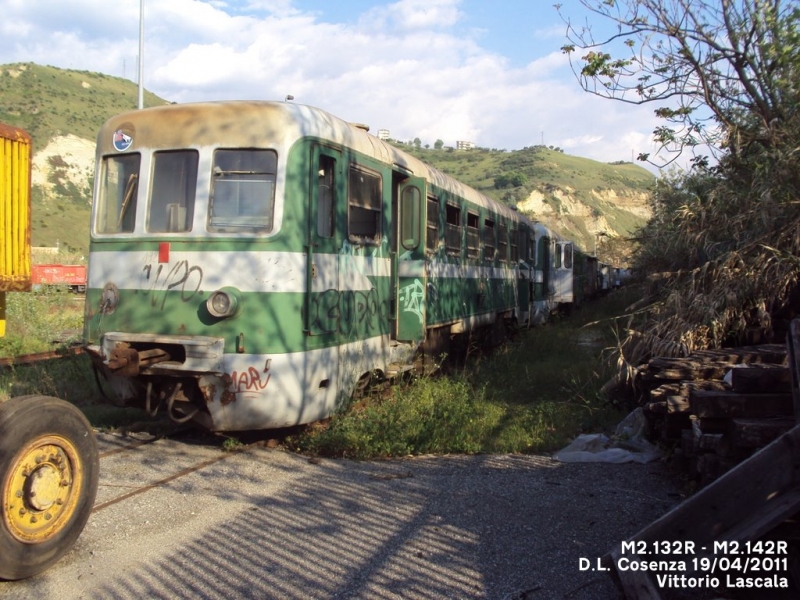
column 252, row 263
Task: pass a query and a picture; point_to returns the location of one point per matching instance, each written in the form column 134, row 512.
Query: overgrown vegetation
column 531, row 395
column 41, row 321
column 724, row 237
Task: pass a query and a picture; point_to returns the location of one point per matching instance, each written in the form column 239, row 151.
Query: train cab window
column 473, row 235
column 557, row 256
column 432, row 227
column 364, row 200
column 325, row 203
column 567, row 256
column 410, row 211
column 502, row 241
column 489, row 239
column 172, row 194
column 116, row 210
column 452, row 229
column 243, row 191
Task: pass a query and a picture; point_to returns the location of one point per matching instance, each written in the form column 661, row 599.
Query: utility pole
column 141, row 54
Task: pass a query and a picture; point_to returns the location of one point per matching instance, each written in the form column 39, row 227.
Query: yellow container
column 15, row 214
column 15, row 209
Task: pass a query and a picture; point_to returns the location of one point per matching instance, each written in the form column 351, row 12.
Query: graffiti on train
column 347, row 311
column 412, row 299
column 158, row 281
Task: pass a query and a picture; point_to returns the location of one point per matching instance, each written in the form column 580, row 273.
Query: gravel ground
column 269, row 524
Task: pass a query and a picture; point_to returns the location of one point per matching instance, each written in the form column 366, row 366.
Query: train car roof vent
column 360, row 126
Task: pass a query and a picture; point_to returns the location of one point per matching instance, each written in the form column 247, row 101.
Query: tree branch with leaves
column 724, row 73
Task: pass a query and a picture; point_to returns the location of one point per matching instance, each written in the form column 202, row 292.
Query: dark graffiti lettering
column 347, row 311
column 180, row 276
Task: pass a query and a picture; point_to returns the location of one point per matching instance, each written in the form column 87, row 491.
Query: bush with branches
column 722, row 250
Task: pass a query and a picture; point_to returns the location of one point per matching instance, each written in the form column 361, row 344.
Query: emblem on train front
column 121, row 140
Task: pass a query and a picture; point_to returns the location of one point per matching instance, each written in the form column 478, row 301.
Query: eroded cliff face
column 567, row 202
column 636, row 203
column 604, row 216
column 67, row 159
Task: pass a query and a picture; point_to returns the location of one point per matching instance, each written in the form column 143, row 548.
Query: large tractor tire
column 49, row 469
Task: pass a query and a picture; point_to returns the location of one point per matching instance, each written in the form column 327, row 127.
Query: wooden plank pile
column 717, row 407
column 748, row 511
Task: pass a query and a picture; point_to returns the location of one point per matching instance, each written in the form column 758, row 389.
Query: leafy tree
column 417, row 143
column 438, row 144
column 724, row 72
column 721, row 250
column 513, row 179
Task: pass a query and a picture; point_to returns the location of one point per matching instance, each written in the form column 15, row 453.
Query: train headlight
column 223, row 303
column 109, row 299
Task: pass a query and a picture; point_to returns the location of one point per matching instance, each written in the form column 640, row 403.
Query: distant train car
column 252, row 263
column 72, row 276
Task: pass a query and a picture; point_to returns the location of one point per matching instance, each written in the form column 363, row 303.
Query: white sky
column 490, row 72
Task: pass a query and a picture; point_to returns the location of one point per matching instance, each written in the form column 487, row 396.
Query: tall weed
column 40, row 321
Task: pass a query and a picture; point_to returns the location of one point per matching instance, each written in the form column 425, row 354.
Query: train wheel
column 49, row 470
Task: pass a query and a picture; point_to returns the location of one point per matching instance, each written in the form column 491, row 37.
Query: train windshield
column 116, row 208
column 173, row 191
column 243, row 191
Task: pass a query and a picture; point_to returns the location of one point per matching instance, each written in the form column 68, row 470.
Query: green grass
column 532, row 395
column 69, row 378
column 41, row 321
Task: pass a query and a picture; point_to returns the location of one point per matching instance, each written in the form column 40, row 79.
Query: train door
column 544, row 262
column 324, row 300
column 525, row 270
column 408, row 260
column 563, row 273
column 325, row 240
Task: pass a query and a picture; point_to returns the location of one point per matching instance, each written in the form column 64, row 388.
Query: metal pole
column 141, row 54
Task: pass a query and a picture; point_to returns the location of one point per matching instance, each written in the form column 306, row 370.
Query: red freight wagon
column 72, row 275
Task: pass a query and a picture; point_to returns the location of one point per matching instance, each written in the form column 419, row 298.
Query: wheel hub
column 40, row 490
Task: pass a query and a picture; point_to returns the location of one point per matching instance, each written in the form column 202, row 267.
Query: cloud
column 411, row 66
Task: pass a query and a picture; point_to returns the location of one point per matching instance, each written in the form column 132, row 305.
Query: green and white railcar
column 252, row 262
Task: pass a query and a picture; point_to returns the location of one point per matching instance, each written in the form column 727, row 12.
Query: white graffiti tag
column 411, row 299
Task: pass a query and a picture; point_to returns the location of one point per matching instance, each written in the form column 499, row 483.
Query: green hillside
column 576, row 196
column 46, row 101
column 511, row 177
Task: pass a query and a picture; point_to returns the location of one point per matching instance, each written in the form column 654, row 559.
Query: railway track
column 104, row 501
column 131, row 469
column 27, row 359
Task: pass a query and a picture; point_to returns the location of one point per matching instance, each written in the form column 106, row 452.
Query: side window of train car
column 473, row 235
column 514, row 245
column 488, row 239
column 523, row 245
column 243, row 191
column 432, row 227
column 502, row 241
column 452, row 229
column 411, row 211
column 172, row 193
column 325, row 204
column 364, row 206
column 558, row 255
column 567, row 256
column 116, row 211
